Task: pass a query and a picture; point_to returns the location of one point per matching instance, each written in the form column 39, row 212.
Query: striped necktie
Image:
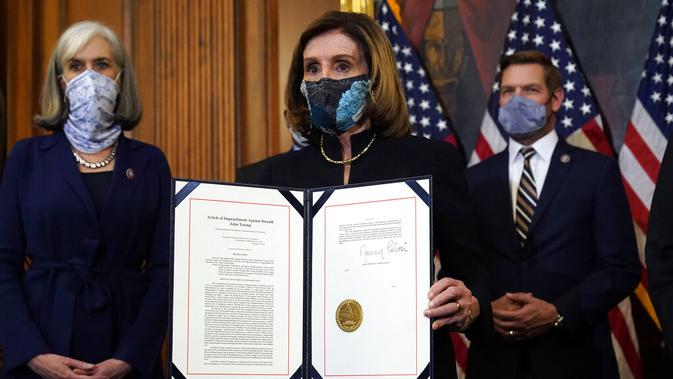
column 526, row 197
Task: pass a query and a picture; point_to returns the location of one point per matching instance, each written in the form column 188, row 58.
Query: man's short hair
column 552, row 75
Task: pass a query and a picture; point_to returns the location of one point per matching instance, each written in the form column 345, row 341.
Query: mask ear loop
column 119, row 74
column 551, row 112
column 62, row 77
column 546, row 104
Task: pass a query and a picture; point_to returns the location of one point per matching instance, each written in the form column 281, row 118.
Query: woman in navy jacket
column 88, row 210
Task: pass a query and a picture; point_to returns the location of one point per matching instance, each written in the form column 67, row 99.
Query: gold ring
column 469, row 314
column 511, row 332
column 459, row 307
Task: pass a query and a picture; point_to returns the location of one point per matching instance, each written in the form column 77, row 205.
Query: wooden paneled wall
column 3, row 88
column 258, row 80
column 21, row 69
column 187, row 50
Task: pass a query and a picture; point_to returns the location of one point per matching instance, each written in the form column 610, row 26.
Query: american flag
column 647, row 134
column 535, row 26
column 426, row 115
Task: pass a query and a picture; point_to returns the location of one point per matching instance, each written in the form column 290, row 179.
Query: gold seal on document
column 349, row 315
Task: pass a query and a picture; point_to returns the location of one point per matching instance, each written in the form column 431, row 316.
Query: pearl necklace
column 100, row 164
column 345, row 161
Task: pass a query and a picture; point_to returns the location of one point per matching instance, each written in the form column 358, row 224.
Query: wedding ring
column 458, row 307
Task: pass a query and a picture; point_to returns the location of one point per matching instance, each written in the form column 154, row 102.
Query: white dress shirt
column 539, row 163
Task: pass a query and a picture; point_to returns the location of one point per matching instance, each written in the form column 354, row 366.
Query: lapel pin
column 565, row 158
column 129, row 173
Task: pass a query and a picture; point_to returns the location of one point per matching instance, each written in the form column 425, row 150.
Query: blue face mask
column 522, row 117
column 92, row 98
column 336, row 105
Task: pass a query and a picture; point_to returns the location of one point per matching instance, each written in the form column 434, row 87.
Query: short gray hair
column 53, row 108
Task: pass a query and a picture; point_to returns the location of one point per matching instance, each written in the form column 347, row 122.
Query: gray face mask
column 522, row 117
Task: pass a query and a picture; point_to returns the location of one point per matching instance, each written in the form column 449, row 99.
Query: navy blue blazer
column 107, row 275
column 580, row 255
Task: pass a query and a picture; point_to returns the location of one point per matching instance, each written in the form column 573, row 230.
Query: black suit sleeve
column 659, row 247
column 456, row 235
column 256, row 173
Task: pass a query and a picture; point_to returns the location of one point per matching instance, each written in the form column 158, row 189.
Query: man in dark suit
column 557, row 239
column 659, row 247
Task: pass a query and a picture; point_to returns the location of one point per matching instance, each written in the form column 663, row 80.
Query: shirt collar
column 544, row 147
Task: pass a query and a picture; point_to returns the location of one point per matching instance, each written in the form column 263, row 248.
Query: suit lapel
column 504, row 203
column 561, row 161
column 65, row 162
column 122, row 186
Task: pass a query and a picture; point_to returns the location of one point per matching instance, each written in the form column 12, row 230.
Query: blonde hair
column 53, row 107
column 387, row 108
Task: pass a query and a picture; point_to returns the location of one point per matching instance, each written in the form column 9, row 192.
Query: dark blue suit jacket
column 86, row 271
column 659, row 247
column 580, row 255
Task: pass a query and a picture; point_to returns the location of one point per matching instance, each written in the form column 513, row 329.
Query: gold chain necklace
column 346, row 161
column 100, row 164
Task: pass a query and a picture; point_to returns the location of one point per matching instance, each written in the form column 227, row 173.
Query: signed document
column 275, row 282
column 371, row 275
